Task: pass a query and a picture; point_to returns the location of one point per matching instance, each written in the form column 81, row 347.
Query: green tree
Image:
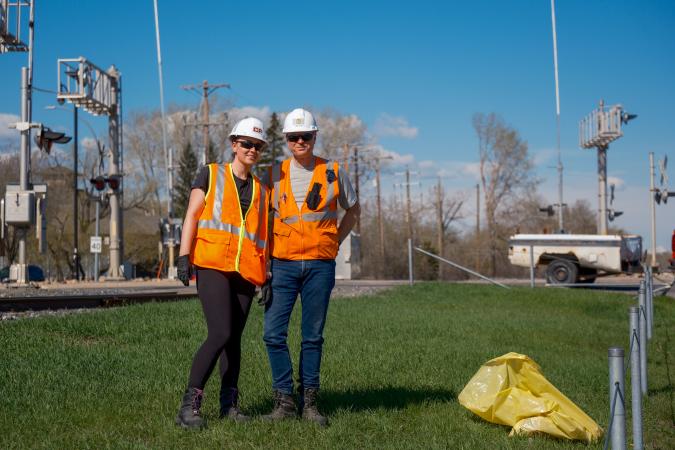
column 213, row 155
column 187, row 169
column 275, row 142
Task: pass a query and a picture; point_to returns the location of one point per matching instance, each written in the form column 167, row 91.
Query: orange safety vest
column 226, row 240
column 305, row 234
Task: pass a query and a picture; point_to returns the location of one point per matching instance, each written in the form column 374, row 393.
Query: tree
column 506, row 171
column 187, row 169
column 213, row 155
column 275, row 142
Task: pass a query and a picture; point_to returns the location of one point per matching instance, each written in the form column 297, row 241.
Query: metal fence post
column 531, row 266
column 643, row 337
column 617, row 416
column 636, row 388
column 410, row 262
column 650, row 303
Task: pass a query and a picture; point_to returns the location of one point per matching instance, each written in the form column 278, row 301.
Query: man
column 306, row 191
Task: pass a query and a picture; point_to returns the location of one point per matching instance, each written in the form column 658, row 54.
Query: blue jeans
column 313, row 280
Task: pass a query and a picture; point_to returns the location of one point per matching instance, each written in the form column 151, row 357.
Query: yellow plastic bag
column 511, row 390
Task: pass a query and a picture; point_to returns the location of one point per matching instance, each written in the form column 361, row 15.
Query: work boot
column 189, row 415
column 309, row 409
column 284, row 408
column 229, row 405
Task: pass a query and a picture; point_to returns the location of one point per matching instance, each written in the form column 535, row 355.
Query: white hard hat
column 298, row 121
column 251, row 127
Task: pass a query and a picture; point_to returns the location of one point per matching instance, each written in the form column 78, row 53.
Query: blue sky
column 414, row 72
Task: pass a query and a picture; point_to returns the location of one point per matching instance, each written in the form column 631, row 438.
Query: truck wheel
column 561, row 271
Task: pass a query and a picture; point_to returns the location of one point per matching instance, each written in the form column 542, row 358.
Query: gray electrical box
column 19, row 207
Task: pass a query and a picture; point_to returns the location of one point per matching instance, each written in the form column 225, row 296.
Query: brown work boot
column 229, row 405
column 189, row 414
column 284, row 408
column 309, row 409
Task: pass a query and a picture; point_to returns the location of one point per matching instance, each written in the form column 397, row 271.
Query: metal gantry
column 597, row 130
column 99, row 92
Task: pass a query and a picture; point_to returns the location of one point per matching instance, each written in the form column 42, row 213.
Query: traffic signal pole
column 24, row 161
column 75, row 274
column 114, row 272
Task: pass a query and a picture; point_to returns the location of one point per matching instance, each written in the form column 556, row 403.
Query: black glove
column 184, row 269
column 266, row 293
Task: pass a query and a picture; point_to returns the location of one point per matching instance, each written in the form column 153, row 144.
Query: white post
column 636, row 393
column 616, row 398
column 643, row 337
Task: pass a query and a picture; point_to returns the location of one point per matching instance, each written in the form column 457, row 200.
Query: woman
column 225, row 238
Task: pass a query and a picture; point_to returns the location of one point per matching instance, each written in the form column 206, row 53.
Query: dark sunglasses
column 306, row 137
column 248, row 145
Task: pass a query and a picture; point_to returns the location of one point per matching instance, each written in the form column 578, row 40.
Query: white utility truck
column 576, row 258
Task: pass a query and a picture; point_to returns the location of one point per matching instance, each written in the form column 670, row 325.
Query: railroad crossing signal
column 45, row 138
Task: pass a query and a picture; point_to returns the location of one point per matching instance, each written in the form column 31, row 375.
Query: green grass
column 393, row 366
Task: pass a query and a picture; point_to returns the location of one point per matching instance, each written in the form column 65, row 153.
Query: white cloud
column 261, row 113
column 427, row 164
column 5, row 121
column 387, row 125
column 619, row 183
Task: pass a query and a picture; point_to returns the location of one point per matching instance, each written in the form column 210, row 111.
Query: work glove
column 266, row 293
column 184, row 269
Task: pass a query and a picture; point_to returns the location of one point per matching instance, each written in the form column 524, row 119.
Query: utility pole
column 477, row 227
column 652, row 202
column 75, row 274
column 407, row 184
column 560, row 204
column 439, row 218
column 356, row 181
column 380, row 224
column 206, row 90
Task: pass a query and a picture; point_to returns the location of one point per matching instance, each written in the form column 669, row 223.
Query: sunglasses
column 248, row 145
column 306, row 137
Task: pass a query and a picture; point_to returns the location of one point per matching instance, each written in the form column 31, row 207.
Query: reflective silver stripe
column 320, row 215
column 216, row 218
column 290, row 220
column 219, row 226
column 218, row 195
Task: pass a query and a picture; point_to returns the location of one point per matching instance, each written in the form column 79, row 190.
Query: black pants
column 226, row 300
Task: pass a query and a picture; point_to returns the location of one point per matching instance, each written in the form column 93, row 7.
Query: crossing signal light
column 45, row 138
column 98, row 183
column 113, row 182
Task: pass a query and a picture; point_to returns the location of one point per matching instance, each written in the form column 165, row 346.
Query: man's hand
column 266, row 293
column 184, row 270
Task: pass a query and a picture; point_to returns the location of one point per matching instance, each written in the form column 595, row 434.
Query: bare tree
column 506, row 171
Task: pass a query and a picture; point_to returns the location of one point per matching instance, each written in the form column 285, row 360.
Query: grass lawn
column 393, row 366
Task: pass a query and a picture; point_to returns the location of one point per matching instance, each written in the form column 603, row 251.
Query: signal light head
column 113, row 182
column 98, row 183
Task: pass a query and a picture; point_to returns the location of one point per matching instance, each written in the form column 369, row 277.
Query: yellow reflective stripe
column 242, row 227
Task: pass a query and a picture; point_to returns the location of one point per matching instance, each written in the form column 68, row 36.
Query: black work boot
column 284, row 408
column 309, row 409
column 189, row 415
column 229, row 405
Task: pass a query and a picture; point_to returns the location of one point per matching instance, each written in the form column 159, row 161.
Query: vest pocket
column 213, row 251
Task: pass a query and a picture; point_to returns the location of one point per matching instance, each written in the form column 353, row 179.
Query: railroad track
column 76, row 300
